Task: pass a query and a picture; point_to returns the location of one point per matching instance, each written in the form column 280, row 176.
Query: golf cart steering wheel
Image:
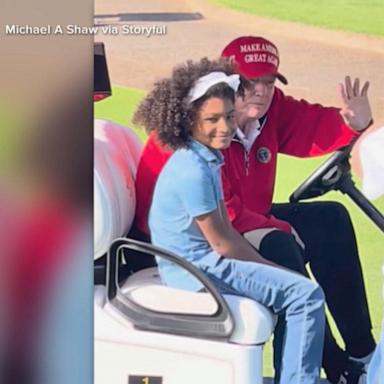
column 325, row 178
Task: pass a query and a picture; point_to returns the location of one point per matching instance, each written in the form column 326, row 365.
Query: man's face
column 258, row 94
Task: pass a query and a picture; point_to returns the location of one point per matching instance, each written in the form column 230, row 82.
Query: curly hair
column 166, row 108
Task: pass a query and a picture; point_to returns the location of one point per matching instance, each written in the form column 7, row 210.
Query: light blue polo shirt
column 188, row 186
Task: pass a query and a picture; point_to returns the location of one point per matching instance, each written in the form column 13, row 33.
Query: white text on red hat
column 257, row 47
column 261, row 58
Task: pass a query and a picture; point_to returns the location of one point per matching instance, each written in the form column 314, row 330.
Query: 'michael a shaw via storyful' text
column 74, row 29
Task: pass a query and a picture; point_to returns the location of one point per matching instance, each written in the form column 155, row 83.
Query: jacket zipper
column 246, row 161
column 246, row 156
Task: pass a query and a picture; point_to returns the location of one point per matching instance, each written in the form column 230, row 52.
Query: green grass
column 291, row 172
column 120, row 107
column 365, row 16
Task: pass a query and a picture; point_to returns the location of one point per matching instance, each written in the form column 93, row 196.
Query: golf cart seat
column 148, row 333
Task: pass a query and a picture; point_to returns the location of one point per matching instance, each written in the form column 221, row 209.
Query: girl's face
column 215, row 125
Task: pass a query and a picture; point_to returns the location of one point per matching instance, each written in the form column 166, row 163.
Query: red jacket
column 293, row 127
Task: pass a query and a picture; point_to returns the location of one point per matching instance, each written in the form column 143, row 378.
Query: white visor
column 202, row 84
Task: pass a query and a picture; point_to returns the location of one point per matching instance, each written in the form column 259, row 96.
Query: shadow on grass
column 153, row 16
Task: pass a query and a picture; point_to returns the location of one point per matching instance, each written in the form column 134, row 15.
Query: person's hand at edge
column 355, row 110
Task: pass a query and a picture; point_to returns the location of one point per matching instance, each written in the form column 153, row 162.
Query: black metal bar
column 348, row 187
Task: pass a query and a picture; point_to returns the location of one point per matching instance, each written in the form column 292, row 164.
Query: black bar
column 369, row 209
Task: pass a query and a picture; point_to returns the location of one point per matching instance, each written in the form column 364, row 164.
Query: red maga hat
column 254, row 57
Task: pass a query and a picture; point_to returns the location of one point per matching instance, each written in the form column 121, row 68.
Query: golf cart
column 149, row 333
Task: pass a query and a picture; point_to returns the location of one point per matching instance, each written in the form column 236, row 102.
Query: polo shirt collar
column 209, row 155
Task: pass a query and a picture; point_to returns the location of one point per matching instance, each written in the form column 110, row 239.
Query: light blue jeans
column 376, row 366
column 299, row 300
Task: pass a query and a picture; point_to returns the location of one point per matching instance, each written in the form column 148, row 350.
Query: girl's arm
column 225, row 240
